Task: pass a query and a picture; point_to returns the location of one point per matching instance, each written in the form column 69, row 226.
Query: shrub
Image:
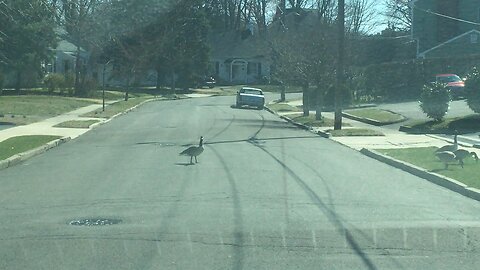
column 88, row 88
column 472, row 90
column 435, row 100
column 53, row 81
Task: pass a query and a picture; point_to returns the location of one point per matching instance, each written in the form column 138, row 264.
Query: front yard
column 425, row 158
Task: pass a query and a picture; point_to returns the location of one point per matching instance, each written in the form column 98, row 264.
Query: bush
column 53, row 81
column 472, row 90
column 88, row 88
column 435, row 100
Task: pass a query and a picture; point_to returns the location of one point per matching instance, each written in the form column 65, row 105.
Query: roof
column 422, row 54
column 66, row 46
column 230, row 45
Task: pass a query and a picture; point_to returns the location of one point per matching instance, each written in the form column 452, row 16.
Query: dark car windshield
column 252, row 92
column 448, row 79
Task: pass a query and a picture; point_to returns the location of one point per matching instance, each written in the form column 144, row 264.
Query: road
column 264, row 195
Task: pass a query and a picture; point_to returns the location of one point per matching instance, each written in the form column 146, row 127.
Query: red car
column 454, row 82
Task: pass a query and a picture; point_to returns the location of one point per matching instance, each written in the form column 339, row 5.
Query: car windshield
column 252, row 91
column 449, row 79
column 239, row 134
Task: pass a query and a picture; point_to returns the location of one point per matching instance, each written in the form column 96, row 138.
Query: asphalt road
column 264, row 195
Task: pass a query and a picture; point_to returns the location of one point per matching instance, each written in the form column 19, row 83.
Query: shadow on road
column 184, row 164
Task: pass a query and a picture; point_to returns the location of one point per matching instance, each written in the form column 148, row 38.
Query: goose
column 449, row 148
column 446, row 157
column 193, row 151
column 461, row 154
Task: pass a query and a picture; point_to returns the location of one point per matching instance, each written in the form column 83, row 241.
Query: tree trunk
column 306, row 107
column 282, row 92
column 77, row 71
column 18, row 83
column 318, row 103
column 158, row 82
column 173, row 85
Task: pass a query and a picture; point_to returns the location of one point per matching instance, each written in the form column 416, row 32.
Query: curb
column 121, row 113
column 302, row 126
column 434, row 178
column 21, row 157
column 372, row 121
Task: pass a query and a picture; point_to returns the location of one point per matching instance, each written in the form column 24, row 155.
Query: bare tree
column 360, row 16
column 399, row 13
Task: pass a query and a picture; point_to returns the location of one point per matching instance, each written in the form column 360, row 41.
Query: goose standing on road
column 193, row 151
column 450, row 148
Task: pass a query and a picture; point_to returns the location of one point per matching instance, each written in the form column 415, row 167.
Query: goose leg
column 191, row 159
column 196, row 159
column 461, row 163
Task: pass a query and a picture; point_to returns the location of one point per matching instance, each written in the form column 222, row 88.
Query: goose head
column 474, row 155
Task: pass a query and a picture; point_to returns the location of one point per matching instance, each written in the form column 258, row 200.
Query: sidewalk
column 46, row 127
column 393, row 139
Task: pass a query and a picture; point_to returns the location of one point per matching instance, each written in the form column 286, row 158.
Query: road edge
column 434, row 178
column 299, row 125
column 122, row 113
column 21, row 157
column 373, row 121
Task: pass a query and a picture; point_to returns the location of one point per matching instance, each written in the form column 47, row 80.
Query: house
column 65, row 55
column 239, row 58
column 445, row 29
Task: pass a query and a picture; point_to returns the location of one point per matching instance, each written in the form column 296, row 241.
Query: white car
column 248, row 96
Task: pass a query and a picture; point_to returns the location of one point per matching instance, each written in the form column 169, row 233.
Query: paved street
column 264, row 195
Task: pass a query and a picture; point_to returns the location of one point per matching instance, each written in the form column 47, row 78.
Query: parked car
column 209, row 82
column 248, row 96
column 454, row 82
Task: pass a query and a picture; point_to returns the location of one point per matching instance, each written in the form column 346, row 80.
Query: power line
column 446, row 16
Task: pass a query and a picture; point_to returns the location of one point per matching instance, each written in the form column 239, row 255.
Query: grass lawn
column 21, row 144
column 355, row 132
column 117, row 107
column 22, row 110
column 464, row 124
column 312, row 122
column 381, row 116
column 77, row 124
column 283, row 107
column 425, row 158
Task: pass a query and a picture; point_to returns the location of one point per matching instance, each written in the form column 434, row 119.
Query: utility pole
column 340, row 65
column 282, row 10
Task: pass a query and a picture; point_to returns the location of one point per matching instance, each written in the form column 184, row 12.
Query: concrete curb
column 21, row 157
column 102, row 122
column 437, row 179
column 372, row 121
column 302, row 126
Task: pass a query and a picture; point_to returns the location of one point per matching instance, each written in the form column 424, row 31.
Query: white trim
column 446, row 42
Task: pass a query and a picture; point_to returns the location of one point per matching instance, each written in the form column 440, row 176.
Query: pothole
column 89, row 222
